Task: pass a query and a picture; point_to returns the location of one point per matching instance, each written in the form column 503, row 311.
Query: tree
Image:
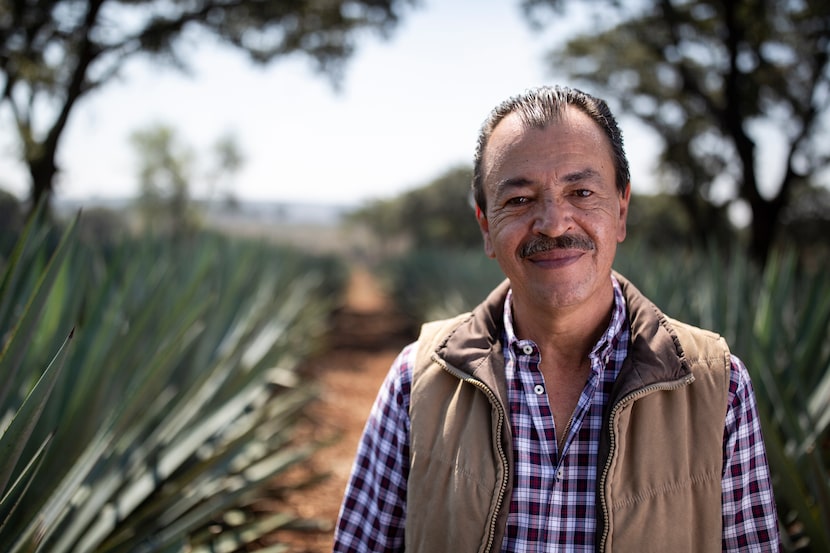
column 227, row 160
column 436, row 215
column 714, row 79
column 55, row 52
column 165, row 170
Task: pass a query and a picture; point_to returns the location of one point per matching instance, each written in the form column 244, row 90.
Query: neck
column 565, row 335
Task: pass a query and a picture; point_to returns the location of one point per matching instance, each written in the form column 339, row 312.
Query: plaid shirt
column 554, row 494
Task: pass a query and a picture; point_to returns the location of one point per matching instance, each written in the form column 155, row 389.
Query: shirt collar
column 604, row 346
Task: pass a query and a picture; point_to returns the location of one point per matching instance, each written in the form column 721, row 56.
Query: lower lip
column 556, row 262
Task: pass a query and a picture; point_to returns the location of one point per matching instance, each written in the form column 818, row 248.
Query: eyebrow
column 587, row 173
column 579, row 176
column 514, row 182
column 505, row 185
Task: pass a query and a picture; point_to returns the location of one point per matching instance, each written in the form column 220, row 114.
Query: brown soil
column 367, row 335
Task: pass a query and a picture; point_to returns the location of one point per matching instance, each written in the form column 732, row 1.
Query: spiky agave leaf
column 167, row 404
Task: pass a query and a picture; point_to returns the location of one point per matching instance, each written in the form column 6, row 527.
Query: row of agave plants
column 777, row 320
column 149, row 389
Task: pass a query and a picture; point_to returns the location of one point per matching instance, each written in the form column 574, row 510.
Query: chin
column 561, row 292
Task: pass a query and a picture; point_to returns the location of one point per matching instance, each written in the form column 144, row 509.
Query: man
column 566, row 412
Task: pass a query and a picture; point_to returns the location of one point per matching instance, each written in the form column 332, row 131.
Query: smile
column 555, row 259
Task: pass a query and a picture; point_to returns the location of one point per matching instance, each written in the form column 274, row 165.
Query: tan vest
column 661, row 449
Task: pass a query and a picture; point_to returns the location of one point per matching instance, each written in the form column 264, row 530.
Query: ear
column 484, row 225
column 625, row 198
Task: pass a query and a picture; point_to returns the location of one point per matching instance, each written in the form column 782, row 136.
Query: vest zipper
column 491, row 532
column 675, row 385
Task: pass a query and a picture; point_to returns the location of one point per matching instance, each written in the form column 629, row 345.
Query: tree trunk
column 764, row 227
column 42, row 171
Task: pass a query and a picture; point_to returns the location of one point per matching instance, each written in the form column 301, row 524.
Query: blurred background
column 218, row 219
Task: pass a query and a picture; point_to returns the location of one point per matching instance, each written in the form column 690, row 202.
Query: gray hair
column 539, row 107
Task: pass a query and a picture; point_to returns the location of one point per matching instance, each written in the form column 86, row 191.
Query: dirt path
column 367, row 336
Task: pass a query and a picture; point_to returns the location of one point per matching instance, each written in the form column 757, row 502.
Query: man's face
column 554, row 214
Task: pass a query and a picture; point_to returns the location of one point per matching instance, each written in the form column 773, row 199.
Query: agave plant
column 171, row 402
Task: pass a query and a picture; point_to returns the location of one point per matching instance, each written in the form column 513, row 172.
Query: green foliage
column 439, row 283
column 660, row 221
column 717, row 81
column 165, row 170
column 436, row 215
column 174, row 400
column 227, row 160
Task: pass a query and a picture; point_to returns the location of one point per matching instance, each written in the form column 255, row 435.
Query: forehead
column 573, row 136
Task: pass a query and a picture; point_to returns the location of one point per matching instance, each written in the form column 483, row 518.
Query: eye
column 582, row 193
column 518, row 200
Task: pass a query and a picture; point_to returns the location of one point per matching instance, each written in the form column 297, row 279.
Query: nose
column 553, row 217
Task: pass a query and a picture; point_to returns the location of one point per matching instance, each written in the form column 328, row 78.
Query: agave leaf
column 108, row 485
column 767, row 329
column 87, row 528
column 160, row 363
column 239, row 536
column 110, row 359
column 276, row 548
column 790, row 487
column 225, row 496
column 120, row 493
column 185, row 445
column 105, row 315
column 168, row 344
column 14, row 438
column 57, row 505
column 814, row 334
column 819, row 406
column 818, row 469
column 150, row 372
column 191, row 404
column 177, row 497
column 97, row 479
column 31, row 237
column 192, row 487
column 21, row 335
column 11, row 500
column 255, row 476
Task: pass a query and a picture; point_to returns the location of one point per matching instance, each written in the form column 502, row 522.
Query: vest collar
column 655, row 355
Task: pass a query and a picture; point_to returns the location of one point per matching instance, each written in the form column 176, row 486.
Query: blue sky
column 409, row 108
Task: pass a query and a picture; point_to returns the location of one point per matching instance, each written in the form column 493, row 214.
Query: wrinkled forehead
column 517, row 129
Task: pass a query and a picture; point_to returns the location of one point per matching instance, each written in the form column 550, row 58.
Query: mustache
column 564, row 242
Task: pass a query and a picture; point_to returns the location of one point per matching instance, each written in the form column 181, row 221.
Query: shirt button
column 527, row 348
column 560, row 473
column 539, row 389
